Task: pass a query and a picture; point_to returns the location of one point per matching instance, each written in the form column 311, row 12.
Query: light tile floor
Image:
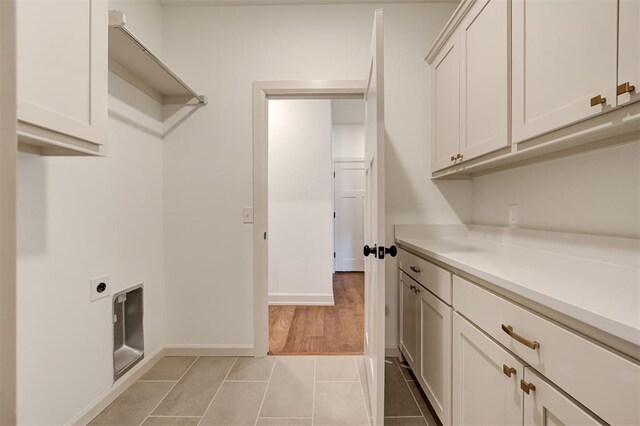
column 290, row 390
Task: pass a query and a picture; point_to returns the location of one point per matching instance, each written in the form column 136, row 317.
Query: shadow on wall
column 458, row 196
column 32, row 205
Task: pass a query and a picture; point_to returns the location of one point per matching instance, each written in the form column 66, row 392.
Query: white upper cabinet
column 564, row 63
column 445, row 105
column 628, row 88
column 62, row 75
column 484, row 78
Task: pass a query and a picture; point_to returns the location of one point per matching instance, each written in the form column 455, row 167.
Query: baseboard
column 208, row 350
column 301, row 299
column 85, row 416
column 392, row 351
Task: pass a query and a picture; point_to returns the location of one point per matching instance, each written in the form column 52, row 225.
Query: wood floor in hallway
column 322, row 330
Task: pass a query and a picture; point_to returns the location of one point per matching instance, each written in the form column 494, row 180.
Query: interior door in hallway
column 349, row 193
column 374, row 225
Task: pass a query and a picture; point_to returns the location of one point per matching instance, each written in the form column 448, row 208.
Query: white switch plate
column 93, row 287
column 514, row 212
column 247, row 215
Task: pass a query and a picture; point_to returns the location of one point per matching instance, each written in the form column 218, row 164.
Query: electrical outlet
column 247, row 215
column 100, row 287
column 514, row 212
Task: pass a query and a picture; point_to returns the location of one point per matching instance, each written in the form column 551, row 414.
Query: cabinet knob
column 527, row 387
column 508, row 371
column 597, row 100
column 625, row 88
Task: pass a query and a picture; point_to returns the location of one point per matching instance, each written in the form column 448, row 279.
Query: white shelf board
column 130, row 59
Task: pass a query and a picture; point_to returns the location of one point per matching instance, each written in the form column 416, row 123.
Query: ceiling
column 287, row 2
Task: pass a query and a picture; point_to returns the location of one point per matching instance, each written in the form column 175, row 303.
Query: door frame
column 8, row 152
column 263, row 91
column 334, row 162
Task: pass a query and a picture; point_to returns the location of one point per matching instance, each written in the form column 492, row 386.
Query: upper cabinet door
column 564, row 63
column 629, row 52
column 445, row 105
column 484, row 78
column 62, row 71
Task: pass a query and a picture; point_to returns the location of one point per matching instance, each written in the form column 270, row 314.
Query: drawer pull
column 527, row 387
column 528, row 343
column 415, row 269
column 598, row 100
column 625, row 88
column 508, row 371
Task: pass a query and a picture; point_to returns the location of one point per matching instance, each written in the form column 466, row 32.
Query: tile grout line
column 177, row 417
column 170, row 389
column 364, row 399
column 246, row 381
column 406, row 382
column 313, row 397
column 218, row 390
column 266, row 390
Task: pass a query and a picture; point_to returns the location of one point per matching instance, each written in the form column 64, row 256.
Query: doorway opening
column 316, row 195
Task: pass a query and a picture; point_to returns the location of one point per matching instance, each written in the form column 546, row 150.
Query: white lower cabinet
column 545, row 405
column 489, row 361
column 486, row 379
column 434, row 370
column 408, row 320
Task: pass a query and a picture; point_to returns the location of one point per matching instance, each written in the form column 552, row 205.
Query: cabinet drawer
column 432, row 277
column 585, row 370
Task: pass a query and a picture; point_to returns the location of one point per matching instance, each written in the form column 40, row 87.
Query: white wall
column 221, row 51
column 79, row 218
column 300, row 202
column 593, row 193
column 347, row 140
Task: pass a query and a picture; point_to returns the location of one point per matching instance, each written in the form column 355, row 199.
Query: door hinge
column 265, row 235
column 334, row 174
column 334, row 215
column 334, row 254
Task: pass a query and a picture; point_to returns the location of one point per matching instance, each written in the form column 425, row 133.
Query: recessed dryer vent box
column 128, row 333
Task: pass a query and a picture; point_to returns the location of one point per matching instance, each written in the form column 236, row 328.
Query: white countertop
column 601, row 294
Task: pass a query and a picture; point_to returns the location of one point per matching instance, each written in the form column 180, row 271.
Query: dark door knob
column 391, row 251
column 370, row 250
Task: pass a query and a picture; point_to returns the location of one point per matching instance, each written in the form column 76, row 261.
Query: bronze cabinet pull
column 597, row 100
column 527, row 387
column 453, row 158
column 459, row 156
column 528, row 343
column 415, row 269
column 625, row 88
column 508, row 371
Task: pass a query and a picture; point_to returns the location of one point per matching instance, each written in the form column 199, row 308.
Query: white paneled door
column 374, row 230
column 349, row 196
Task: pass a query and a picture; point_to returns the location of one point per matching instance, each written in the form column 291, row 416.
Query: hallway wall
column 300, row 202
